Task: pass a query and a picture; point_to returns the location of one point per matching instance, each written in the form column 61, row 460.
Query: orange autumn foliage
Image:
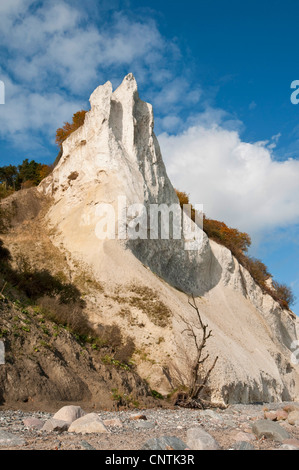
column 238, row 243
column 68, row 128
column 44, row 171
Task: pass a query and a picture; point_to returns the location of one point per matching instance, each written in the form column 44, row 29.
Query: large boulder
column 164, row 443
column 270, row 430
column 199, row 439
column 293, row 417
column 69, row 413
column 90, row 423
column 10, row 440
column 55, row 425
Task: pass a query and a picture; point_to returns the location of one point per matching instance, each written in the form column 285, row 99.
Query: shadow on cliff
column 34, row 283
column 181, row 269
column 193, row 272
column 116, row 119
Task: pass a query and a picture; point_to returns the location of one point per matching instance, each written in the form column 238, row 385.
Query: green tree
column 27, row 171
column 8, row 176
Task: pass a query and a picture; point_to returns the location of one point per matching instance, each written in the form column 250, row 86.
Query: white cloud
column 55, row 52
column 176, row 93
column 50, row 42
column 56, row 40
column 9, row 9
column 127, row 40
column 238, row 182
column 26, row 110
column 170, row 123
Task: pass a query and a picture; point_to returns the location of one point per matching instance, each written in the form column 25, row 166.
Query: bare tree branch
column 197, row 381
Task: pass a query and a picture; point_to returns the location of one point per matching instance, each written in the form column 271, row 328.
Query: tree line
column 28, row 174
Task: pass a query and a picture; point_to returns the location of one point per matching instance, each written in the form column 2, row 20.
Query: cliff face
column 115, row 157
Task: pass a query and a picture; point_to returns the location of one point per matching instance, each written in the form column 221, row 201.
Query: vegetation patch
column 238, row 243
column 47, row 299
column 30, row 173
column 147, row 300
column 123, row 399
column 157, row 395
column 24, row 176
column 126, row 312
column 68, row 128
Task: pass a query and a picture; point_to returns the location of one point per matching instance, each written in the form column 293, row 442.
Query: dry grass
column 146, row 300
column 107, row 338
column 126, row 312
column 86, row 283
column 70, row 315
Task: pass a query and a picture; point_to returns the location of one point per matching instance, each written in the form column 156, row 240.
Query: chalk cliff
column 114, row 155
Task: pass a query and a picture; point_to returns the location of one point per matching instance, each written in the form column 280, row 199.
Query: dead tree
column 198, row 380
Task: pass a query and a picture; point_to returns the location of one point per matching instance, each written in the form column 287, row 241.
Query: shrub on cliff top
column 68, row 128
column 238, row 243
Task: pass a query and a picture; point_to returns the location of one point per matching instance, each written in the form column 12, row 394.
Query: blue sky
column 218, row 75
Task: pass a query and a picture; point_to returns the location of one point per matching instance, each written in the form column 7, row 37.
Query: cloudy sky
column 219, row 77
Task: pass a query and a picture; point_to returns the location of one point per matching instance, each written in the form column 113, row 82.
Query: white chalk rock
column 115, row 157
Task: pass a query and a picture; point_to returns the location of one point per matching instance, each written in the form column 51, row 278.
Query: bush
column 126, row 351
column 4, row 192
column 24, row 176
column 147, row 300
column 38, row 283
column 238, row 243
column 183, row 198
column 257, row 269
column 284, row 294
column 68, row 128
column 28, row 184
column 184, row 201
column 70, row 315
column 110, row 335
